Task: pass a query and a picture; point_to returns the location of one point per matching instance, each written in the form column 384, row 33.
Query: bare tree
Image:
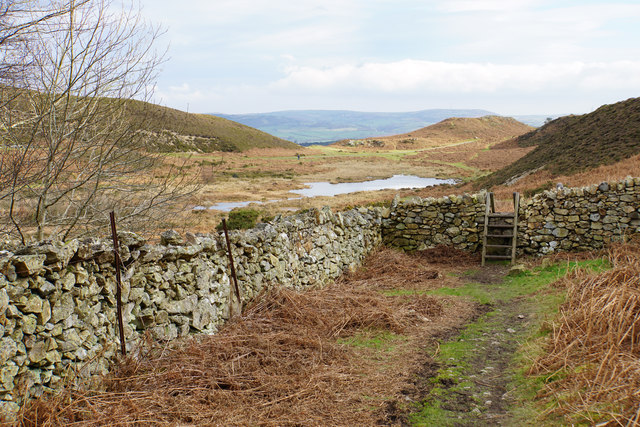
column 72, row 139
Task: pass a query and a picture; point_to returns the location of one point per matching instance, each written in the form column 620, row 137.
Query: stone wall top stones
column 417, row 223
column 57, row 299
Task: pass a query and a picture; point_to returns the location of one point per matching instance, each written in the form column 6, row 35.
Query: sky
column 512, row 57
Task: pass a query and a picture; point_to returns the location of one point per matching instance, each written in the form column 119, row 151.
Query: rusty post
column 233, row 268
column 116, row 254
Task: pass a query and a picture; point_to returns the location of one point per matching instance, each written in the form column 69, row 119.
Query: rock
column 183, row 306
column 42, row 286
column 517, row 269
column 165, row 332
column 10, row 273
column 85, row 248
column 131, row 240
column 62, row 308
column 4, row 301
column 171, row 237
column 32, row 305
column 28, row 265
column 70, row 340
column 151, row 253
column 7, row 375
column 38, row 352
column 8, row 349
column 511, row 330
column 560, row 232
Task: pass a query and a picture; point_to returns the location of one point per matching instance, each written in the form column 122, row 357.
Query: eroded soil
column 468, row 381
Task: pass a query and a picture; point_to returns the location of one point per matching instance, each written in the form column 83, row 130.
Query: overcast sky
column 508, row 56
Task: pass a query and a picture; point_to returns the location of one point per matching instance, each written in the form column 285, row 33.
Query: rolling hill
column 174, row 130
column 576, row 143
column 453, row 130
column 326, row 126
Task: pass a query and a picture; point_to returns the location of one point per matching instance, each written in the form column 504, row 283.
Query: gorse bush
column 241, row 219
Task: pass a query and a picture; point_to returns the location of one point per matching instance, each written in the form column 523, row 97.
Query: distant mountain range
column 314, row 126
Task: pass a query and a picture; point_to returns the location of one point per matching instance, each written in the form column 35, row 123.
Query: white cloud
column 260, row 55
column 485, row 5
column 427, row 76
column 539, row 31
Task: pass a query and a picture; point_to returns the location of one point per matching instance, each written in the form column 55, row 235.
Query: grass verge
column 481, row 374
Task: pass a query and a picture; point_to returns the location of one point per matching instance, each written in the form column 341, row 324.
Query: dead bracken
column 593, row 353
column 282, row 363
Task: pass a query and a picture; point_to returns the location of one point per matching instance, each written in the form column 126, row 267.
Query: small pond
column 396, row 182
column 316, row 189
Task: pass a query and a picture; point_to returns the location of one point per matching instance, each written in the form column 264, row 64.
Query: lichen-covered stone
column 62, row 311
column 171, row 237
column 28, row 265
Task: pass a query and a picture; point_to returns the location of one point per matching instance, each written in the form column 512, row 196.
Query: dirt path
column 470, row 382
column 426, row 339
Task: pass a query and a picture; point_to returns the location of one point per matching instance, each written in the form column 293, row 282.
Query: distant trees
column 71, row 145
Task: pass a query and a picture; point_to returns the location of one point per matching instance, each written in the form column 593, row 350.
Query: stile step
column 502, row 215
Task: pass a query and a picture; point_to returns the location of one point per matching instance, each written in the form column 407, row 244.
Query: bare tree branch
column 72, row 146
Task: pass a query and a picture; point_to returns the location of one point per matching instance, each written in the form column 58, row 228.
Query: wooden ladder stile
column 502, row 227
column 489, row 207
column 516, row 211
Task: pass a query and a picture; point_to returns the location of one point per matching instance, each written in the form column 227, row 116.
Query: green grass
column 455, row 356
column 520, row 284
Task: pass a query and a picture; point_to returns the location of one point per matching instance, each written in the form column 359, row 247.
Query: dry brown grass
column 593, row 357
column 615, row 172
column 488, row 129
column 285, row 362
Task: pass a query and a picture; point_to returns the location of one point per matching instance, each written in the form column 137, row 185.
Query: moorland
column 488, row 152
column 429, row 338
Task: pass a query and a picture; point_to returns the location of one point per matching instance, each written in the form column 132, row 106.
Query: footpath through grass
column 479, row 376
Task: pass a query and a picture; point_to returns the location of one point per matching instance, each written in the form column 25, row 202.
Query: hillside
column 175, row 130
column 487, row 129
column 313, row 126
column 573, row 144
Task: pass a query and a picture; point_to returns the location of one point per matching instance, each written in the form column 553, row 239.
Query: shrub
column 241, row 219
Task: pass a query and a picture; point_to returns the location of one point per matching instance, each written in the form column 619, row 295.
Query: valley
column 424, row 338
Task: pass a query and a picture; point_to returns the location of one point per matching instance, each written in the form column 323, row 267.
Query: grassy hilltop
column 450, row 131
column 575, row 143
column 175, row 130
column 315, row 126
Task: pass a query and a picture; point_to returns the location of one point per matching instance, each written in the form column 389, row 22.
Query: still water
column 316, row 189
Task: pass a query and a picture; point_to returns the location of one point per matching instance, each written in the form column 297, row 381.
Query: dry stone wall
column 579, row 218
column 57, row 303
column 564, row 219
column 417, row 223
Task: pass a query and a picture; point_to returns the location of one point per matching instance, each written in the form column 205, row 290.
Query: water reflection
column 396, row 182
column 316, row 189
